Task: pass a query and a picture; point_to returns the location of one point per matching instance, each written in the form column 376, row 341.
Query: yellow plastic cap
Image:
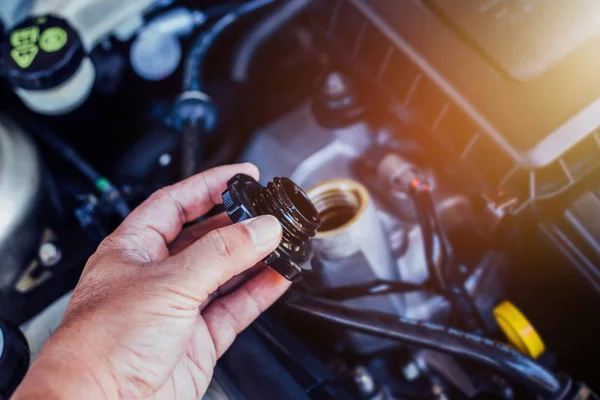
column 519, row 331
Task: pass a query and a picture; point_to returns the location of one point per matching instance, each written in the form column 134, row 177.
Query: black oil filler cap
column 41, row 53
column 245, row 198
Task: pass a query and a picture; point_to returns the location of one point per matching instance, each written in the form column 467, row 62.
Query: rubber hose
column 68, row 153
column 254, row 40
column 506, row 361
column 62, row 148
column 194, row 68
column 192, row 149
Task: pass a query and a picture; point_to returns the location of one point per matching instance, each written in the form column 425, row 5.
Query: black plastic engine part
column 41, row 53
column 336, row 103
column 245, row 198
column 257, row 373
column 14, row 358
column 437, row 61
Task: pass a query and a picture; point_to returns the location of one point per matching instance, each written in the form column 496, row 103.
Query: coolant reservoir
column 46, row 65
column 45, row 57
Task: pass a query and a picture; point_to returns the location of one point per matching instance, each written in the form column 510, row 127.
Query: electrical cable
column 263, row 31
column 503, row 359
column 443, row 271
column 430, row 229
column 195, row 68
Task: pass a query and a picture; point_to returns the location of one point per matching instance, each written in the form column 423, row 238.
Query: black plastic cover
column 511, row 88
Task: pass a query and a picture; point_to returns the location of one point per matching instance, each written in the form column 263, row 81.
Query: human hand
column 143, row 321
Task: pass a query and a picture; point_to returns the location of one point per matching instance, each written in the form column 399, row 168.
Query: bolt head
column 49, row 254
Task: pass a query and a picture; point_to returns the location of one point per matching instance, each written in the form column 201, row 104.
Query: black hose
column 65, row 151
column 506, row 361
column 264, row 30
column 192, row 149
column 194, row 68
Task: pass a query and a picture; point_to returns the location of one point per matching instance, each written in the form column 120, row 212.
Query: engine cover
column 501, row 83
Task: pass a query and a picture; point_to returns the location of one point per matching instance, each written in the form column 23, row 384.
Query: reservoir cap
column 41, row 53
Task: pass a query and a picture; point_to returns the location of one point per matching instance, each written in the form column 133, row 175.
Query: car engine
column 450, row 149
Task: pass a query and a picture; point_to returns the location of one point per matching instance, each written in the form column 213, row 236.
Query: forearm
column 65, row 369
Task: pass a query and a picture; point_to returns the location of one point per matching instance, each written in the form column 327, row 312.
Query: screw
column 49, row 254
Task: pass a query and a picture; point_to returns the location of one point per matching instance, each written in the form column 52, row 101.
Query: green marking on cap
column 25, row 37
column 41, row 20
column 103, row 184
column 24, row 55
column 25, row 48
column 53, row 39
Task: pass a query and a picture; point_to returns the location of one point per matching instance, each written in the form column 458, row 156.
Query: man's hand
column 144, row 320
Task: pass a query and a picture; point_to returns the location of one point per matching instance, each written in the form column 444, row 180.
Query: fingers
column 223, row 253
column 193, row 233
column 233, row 284
column 227, row 316
column 152, row 226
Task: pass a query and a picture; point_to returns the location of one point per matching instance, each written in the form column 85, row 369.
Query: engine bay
column 454, row 178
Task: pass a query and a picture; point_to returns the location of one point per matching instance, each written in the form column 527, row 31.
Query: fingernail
column 264, row 230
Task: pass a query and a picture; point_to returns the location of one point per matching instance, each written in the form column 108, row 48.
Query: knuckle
column 110, row 242
column 229, row 241
column 128, row 243
column 254, row 302
column 181, row 289
column 231, row 319
column 96, row 259
column 219, row 242
column 159, row 194
column 245, row 234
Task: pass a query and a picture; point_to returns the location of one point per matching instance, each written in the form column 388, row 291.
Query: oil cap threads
column 245, row 198
column 41, row 53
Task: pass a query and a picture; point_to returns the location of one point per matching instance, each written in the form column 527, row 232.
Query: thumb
column 223, row 253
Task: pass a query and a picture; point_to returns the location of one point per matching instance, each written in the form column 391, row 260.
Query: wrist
column 66, row 369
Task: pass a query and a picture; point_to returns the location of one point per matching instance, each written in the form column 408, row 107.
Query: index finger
column 153, row 225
